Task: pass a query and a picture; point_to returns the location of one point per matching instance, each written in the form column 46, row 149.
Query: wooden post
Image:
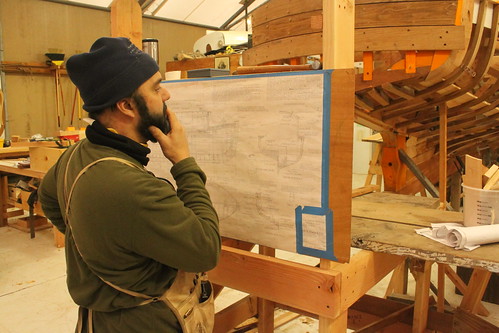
column 442, row 174
column 126, row 20
column 265, row 307
column 422, row 275
column 441, row 288
column 4, row 197
column 394, row 171
column 338, row 54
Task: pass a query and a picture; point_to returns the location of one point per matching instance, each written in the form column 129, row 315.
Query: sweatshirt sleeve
column 47, row 194
column 179, row 229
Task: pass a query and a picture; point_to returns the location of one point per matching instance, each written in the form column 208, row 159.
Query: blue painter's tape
column 328, row 253
column 326, row 73
column 324, row 210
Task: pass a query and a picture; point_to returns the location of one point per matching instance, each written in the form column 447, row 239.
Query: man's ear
column 126, row 106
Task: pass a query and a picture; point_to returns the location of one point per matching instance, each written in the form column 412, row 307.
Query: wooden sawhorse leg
column 476, row 287
column 422, row 274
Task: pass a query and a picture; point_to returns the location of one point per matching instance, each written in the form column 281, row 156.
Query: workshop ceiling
column 221, row 14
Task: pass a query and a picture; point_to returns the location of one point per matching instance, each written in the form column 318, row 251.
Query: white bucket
column 481, row 207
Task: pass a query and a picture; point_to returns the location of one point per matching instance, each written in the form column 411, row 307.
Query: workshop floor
column 34, row 297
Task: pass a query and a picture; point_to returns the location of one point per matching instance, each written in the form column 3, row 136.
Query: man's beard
column 147, row 119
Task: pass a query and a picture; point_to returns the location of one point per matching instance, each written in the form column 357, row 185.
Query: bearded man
column 131, row 239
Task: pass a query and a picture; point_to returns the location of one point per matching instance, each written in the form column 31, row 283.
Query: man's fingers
column 156, row 132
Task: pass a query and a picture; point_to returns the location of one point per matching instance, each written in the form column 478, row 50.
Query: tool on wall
column 76, row 99
column 57, row 59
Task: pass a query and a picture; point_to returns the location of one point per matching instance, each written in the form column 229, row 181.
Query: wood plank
column 489, row 173
column 492, row 181
column 405, row 214
column 443, row 38
column 410, row 38
column 23, row 172
column 293, row 25
column 473, row 173
column 276, row 9
column 401, row 239
column 416, row 13
column 235, row 314
column 314, row 289
column 364, row 190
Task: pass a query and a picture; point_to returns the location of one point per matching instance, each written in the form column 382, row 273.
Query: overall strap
column 68, row 196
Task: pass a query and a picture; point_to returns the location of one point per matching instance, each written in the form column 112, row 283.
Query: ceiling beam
column 145, row 4
column 159, row 7
column 244, row 7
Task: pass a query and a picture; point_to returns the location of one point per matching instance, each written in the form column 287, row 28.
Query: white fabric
column 459, row 237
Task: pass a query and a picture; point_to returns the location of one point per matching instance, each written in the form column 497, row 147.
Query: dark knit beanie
column 113, row 69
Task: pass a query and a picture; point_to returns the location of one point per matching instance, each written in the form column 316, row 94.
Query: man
column 128, row 233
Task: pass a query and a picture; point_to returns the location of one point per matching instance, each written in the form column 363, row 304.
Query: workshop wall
column 31, row 28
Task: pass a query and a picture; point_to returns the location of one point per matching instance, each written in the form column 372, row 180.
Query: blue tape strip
column 238, row 77
column 328, row 253
column 324, row 209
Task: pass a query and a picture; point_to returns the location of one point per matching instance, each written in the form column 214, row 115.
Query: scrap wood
column 492, row 182
column 473, row 172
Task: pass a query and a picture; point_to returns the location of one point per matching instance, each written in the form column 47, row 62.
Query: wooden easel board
column 263, row 141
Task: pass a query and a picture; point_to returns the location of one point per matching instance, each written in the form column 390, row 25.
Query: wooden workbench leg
column 422, row 273
column 336, row 325
column 4, row 196
column 265, row 307
column 441, row 288
column 398, row 281
column 476, row 287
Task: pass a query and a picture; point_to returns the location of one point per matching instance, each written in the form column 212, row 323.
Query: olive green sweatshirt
column 133, row 230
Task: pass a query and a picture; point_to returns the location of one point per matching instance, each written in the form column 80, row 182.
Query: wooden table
column 386, row 222
column 6, row 169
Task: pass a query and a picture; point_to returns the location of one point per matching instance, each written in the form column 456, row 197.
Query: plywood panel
column 266, row 142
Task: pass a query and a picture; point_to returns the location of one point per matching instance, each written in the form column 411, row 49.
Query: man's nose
column 165, row 94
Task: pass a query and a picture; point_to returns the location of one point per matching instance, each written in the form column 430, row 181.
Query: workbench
column 8, row 169
column 386, row 222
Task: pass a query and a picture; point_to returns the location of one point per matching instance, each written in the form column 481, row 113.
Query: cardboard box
column 42, row 158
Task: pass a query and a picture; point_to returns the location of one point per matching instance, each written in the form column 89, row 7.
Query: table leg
column 476, row 287
column 4, row 197
column 422, row 274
